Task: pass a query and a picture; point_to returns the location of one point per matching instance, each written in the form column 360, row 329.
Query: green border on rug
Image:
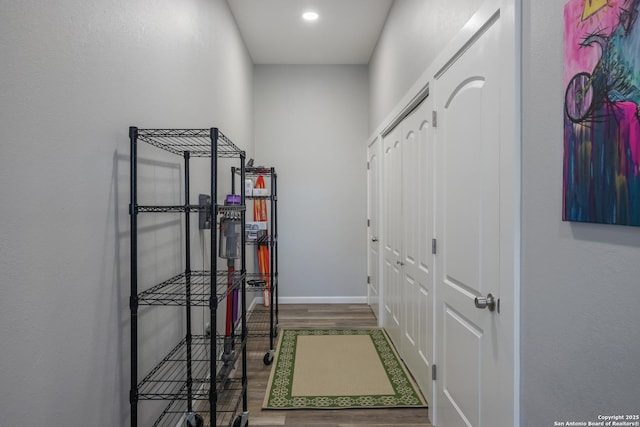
column 278, row 395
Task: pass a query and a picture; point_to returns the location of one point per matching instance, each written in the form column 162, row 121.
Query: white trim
column 254, row 302
column 323, row 300
column 411, row 105
column 476, row 35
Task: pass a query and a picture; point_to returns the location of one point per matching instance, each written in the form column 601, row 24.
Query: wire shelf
column 228, row 405
column 268, row 197
column 259, row 319
column 168, row 380
column 231, row 208
column 257, row 170
column 174, row 208
column 256, row 276
column 174, row 291
column 267, row 277
column 227, row 408
column 188, row 208
column 197, row 142
column 258, row 322
column 260, row 240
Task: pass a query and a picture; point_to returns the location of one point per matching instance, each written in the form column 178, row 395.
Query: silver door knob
column 487, row 302
column 375, row 239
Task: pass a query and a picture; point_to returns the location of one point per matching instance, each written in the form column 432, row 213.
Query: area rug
column 338, row 369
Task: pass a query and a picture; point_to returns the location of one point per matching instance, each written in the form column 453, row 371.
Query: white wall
column 74, row 76
column 310, row 122
column 414, row 33
column 580, row 283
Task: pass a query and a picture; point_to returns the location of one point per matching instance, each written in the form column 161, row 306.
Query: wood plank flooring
column 318, row 315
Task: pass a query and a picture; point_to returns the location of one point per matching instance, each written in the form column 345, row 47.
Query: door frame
column 374, row 147
column 510, row 189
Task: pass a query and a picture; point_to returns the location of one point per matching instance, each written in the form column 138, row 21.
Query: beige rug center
column 338, row 365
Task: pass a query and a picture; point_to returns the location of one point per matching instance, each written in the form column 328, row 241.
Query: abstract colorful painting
column 601, row 181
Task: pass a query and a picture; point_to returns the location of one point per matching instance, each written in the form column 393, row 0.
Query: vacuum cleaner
column 230, row 249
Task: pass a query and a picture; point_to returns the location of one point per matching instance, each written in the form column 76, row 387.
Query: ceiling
column 345, row 33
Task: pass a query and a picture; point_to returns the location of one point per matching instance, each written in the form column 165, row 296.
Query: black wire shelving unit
column 263, row 321
column 188, row 376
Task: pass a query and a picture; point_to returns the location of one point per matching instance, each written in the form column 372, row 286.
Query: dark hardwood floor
column 317, row 315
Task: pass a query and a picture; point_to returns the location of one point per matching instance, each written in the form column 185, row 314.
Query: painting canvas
column 601, row 181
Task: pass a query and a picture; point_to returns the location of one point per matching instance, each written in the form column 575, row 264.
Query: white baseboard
column 257, row 301
column 323, row 300
column 253, row 304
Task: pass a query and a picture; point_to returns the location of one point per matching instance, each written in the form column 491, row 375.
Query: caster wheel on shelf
column 238, row 422
column 268, row 358
column 194, row 420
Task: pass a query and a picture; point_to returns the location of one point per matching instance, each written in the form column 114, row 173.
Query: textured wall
column 74, row 76
column 310, row 122
column 580, row 282
column 416, row 31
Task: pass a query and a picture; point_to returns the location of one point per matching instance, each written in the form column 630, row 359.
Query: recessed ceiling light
column 310, row 16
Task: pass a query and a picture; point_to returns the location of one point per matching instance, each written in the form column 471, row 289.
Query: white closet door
column 392, row 230
column 416, row 345
column 474, row 338
column 457, row 182
column 373, row 178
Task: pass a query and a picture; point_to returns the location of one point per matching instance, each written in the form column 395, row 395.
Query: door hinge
column 433, row 372
column 368, row 279
column 368, row 223
column 434, row 118
column 368, row 166
column 434, row 246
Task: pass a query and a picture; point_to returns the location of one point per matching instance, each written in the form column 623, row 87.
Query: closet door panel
column 417, row 329
column 392, row 242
